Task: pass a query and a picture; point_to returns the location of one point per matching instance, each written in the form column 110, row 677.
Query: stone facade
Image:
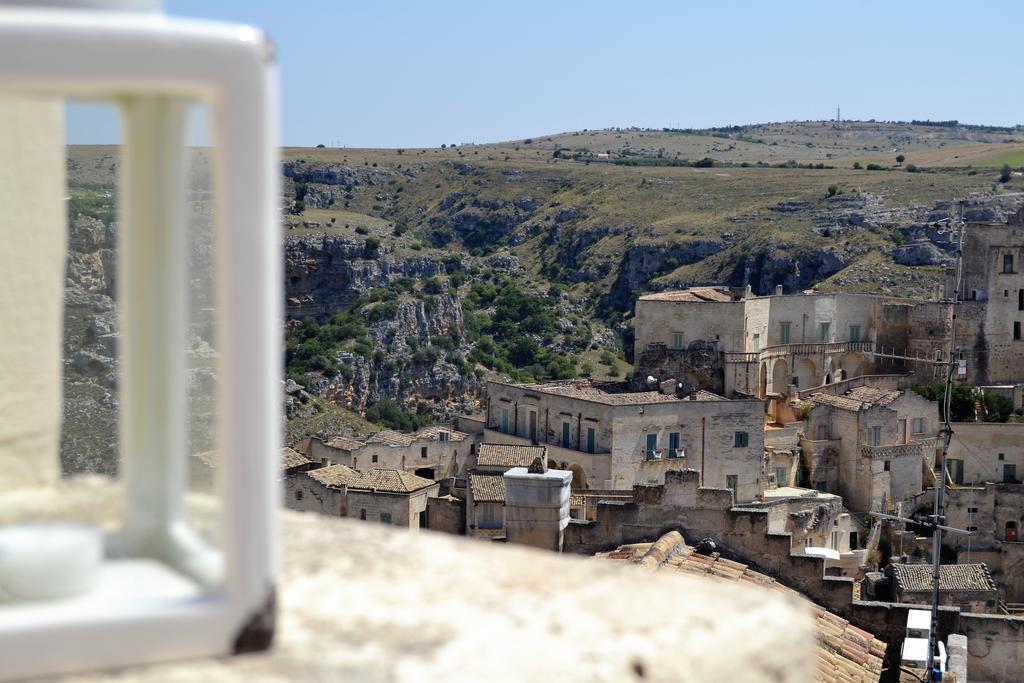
column 870, row 445
column 384, row 496
column 434, row 452
column 982, row 452
column 606, row 433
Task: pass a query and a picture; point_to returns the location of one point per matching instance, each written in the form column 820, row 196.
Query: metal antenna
column 938, row 516
column 939, row 511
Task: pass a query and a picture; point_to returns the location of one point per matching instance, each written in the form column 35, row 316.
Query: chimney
column 749, row 292
column 778, row 290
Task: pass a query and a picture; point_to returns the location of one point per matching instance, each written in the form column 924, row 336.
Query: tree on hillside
column 1004, row 173
column 900, row 159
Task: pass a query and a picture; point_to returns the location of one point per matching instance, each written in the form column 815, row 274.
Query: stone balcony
column 902, row 450
column 791, row 350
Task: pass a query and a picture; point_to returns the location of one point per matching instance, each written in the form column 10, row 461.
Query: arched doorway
column 806, row 374
column 762, row 380
column 579, row 477
column 780, row 376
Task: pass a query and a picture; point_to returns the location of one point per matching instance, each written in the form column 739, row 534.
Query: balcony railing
column 783, row 350
column 665, row 454
column 917, row 449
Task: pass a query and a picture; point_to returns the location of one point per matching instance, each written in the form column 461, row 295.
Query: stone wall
column 447, row 515
column 698, row 366
column 985, row 448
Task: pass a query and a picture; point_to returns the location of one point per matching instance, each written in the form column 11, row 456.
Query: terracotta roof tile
column 844, row 652
column 914, row 578
column 508, row 455
column 383, row 480
column 487, row 488
column 292, row 458
column 692, row 294
column 344, row 443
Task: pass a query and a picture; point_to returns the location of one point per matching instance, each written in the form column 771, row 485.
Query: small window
column 1009, row 473
column 1006, row 292
column 875, row 436
column 741, row 440
column 362, row 514
column 886, row 466
column 298, row 495
column 591, row 439
column 855, row 333
column 757, row 342
column 374, row 458
column 423, row 451
column 1002, row 456
column 824, row 332
column 971, row 511
column 972, row 528
column 652, row 444
column 1016, row 330
column 784, row 333
column 781, row 478
column 504, row 421
column 441, row 436
column 917, row 425
column 673, row 441
column 1007, row 263
column 677, row 341
column 385, row 518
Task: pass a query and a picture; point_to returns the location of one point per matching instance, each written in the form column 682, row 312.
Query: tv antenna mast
column 938, row 517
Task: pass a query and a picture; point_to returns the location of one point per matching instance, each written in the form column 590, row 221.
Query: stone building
column 485, row 486
column 613, row 438
column 982, row 452
column 869, row 445
column 967, row 586
column 387, row 496
column 763, row 344
column 991, row 317
column 434, row 452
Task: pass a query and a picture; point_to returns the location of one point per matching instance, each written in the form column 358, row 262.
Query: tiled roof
column 487, row 488
column 859, row 398
column 507, row 455
column 702, row 395
column 433, row 431
column 390, row 437
column 844, row 652
column 344, row 443
column 916, row 578
column 599, row 393
column 387, row 481
column 692, row 294
column 292, row 458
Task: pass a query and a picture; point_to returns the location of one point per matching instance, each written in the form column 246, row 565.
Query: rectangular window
column 362, row 514
column 673, row 441
column 757, row 342
column 1007, row 263
column 374, row 458
column 423, row 451
column 972, row 528
column 783, row 333
column 565, row 435
column 442, row 436
column 741, row 440
column 855, row 333
column 1020, row 299
column 822, row 432
column 677, row 341
column 504, row 420
column 652, row 444
column 385, row 518
column 875, row 436
column 1009, row 472
column 835, row 540
column 824, row 331
column 732, row 482
column 591, row 440
column 886, row 466
column 781, row 478
column 1016, row 330
column 971, row 511
column 917, row 425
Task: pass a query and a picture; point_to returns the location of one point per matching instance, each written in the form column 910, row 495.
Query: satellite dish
column 650, row 379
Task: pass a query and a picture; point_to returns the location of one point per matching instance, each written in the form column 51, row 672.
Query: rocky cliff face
column 327, row 274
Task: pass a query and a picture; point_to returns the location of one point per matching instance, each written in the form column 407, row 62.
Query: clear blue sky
column 373, row 73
